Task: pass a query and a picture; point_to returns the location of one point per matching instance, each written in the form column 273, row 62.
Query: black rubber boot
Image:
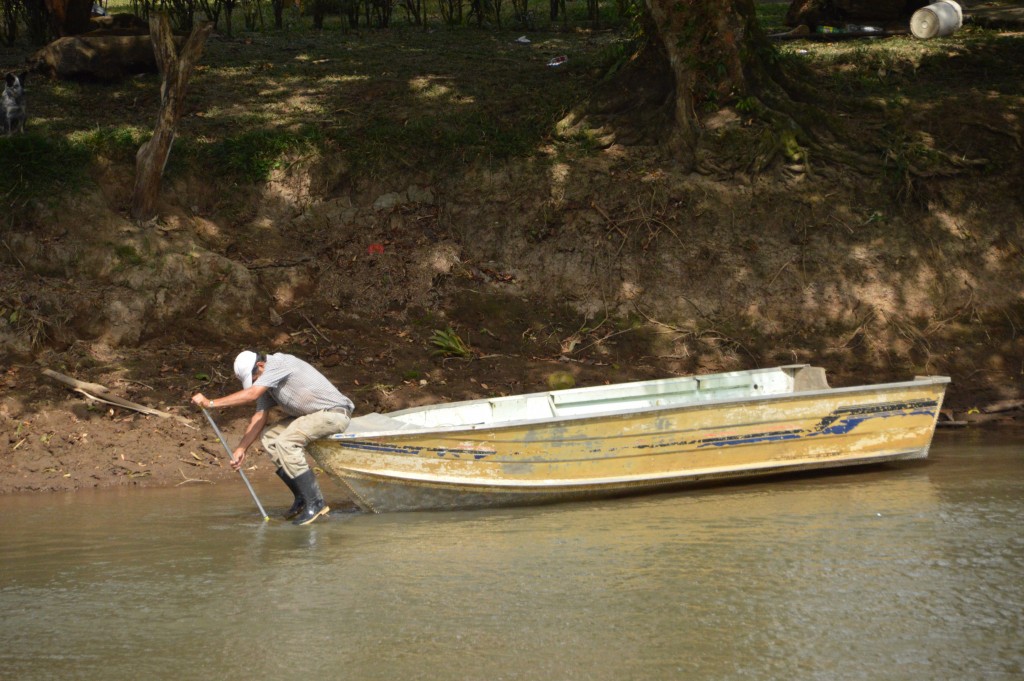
column 315, row 506
column 300, row 501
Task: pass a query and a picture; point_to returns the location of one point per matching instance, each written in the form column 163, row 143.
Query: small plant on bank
column 447, row 343
column 28, row 323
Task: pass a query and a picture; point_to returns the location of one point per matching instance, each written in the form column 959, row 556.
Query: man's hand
column 200, row 400
column 238, row 458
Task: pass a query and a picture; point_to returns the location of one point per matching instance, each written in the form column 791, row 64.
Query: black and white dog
column 12, row 103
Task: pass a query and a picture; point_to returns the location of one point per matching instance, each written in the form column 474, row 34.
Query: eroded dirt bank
column 619, row 268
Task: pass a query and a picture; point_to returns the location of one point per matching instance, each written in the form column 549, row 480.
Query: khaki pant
column 286, row 441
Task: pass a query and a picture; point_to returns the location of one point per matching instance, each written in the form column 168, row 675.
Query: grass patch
column 127, row 255
column 771, row 15
column 119, row 143
column 254, row 155
column 37, row 167
column 433, row 100
column 423, row 100
column 432, row 142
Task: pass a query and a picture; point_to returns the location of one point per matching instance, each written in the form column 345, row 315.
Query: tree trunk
column 175, row 70
column 69, row 17
column 714, row 50
column 278, row 6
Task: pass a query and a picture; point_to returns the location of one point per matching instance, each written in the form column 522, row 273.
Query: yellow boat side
column 619, row 453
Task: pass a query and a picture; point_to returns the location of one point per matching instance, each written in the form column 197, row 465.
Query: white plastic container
column 936, row 20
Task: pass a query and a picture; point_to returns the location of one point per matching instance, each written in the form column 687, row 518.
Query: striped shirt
column 297, row 387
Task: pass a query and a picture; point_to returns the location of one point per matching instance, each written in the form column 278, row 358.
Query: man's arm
column 252, row 432
column 250, row 394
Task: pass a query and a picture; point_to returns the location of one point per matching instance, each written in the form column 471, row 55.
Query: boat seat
column 586, row 401
column 620, row 398
column 810, row 378
column 520, row 408
column 376, row 423
column 625, row 392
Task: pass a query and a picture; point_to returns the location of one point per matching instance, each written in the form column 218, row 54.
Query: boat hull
column 634, row 452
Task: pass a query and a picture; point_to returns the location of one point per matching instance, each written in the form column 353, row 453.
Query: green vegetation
column 448, row 343
column 253, row 155
column 29, row 320
column 424, row 100
column 770, row 16
column 127, row 255
column 117, row 143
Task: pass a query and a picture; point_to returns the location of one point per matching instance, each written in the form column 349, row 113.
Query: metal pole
column 224, row 442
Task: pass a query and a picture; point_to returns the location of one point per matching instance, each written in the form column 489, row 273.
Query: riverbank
column 361, row 238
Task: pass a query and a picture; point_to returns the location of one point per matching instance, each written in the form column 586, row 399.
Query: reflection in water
column 915, row 568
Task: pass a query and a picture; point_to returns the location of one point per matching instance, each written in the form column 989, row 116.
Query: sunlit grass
column 254, row 155
column 37, row 167
column 120, row 142
column 425, row 100
column 770, row 16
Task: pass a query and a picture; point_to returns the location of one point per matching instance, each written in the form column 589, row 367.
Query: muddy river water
column 910, row 572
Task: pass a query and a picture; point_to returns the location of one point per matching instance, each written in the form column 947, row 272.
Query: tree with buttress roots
column 695, row 59
column 698, row 59
column 714, row 52
column 711, row 54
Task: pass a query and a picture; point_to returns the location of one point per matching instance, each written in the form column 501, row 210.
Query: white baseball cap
column 244, row 365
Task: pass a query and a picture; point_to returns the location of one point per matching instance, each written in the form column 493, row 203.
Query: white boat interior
column 594, row 400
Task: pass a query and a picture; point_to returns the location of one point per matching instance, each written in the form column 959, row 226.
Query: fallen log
column 101, row 393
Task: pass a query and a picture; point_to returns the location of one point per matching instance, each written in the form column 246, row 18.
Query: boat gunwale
column 416, row 431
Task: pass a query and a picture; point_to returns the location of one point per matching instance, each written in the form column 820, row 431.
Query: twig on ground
column 187, row 479
column 128, row 380
column 654, row 321
column 16, row 258
column 603, row 339
column 313, row 326
column 781, row 270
